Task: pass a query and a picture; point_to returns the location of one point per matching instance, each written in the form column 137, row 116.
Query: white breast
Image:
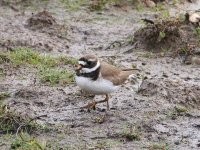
column 100, row 86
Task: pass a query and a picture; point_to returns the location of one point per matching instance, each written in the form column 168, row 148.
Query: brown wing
column 114, row 74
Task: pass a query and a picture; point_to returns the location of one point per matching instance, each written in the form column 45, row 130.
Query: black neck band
column 92, row 75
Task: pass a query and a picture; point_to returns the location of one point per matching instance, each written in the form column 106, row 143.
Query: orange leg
column 90, row 105
column 105, row 100
column 93, row 104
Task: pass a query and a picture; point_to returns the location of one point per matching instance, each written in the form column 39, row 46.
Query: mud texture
column 140, row 117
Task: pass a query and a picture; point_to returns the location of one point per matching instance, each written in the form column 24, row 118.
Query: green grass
column 4, row 95
column 27, row 142
column 74, row 5
column 21, row 56
column 176, row 112
column 197, row 31
column 158, row 146
column 45, row 64
column 1, row 73
column 105, row 144
column 96, row 5
column 55, row 76
column 131, row 133
column 12, row 122
column 4, row 58
column 27, row 56
column 66, row 60
column 22, row 2
column 148, row 54
column 159, row 7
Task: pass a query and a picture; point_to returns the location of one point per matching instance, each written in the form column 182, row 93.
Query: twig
column 16, row 134
column 37, row 117
column 24, row 124
column 130, row 50
column 112, row 44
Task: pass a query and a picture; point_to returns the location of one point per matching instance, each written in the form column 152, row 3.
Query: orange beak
column 78, row 67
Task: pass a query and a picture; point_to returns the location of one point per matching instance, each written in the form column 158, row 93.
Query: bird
column 99, row 78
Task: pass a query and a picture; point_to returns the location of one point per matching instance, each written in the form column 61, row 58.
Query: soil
column 169, row 82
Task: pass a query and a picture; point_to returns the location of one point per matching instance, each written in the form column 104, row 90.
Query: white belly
column 100, row 86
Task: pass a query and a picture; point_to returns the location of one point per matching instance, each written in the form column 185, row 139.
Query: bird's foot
column 90, row 106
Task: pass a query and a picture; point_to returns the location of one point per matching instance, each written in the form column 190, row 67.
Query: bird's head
column 87, row 64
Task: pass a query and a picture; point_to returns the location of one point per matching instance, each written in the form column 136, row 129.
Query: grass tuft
column 4, row 58
column 99, row 5
column 24, row 56
column 74, row 5
column 4, row 95
column 131, row 133
column 66, row 60
column 12, row 122
column 158, row 146
column 54, row 76
column 46, row 64
column 176, row 112
column 26, row 142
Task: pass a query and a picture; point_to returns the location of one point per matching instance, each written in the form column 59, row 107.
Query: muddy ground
column 163, row 114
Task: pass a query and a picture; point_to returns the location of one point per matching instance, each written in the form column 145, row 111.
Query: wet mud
column 140, row 116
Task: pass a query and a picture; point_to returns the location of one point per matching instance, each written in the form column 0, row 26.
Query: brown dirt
column 172, row 35
column 148, row 111
column 41, row 19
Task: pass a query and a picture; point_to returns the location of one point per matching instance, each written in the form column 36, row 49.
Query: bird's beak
column 78, row 67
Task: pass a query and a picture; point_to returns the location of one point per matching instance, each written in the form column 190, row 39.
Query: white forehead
column 81, row 62
column 92, row 59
